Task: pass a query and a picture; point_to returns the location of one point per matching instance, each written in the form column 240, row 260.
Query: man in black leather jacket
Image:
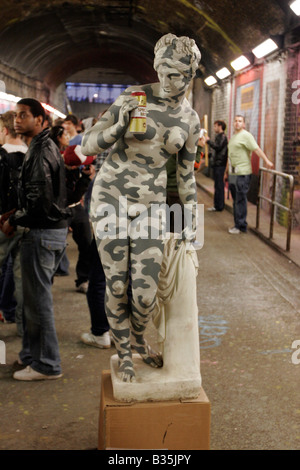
column 219, row 163
column 42, row 210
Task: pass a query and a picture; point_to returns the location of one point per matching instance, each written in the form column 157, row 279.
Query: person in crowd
column 48, row 121
column 42, row 211
column 61, row 138
column 240, row 148
column 7, row 287
column 12, row 154
column 57, row 122
column 79, row 173
column 135, row 172
column 71, row 123
column 99, row 333
column 219, row 164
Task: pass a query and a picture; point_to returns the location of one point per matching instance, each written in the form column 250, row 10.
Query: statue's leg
column 146, row 258
column 114, row 258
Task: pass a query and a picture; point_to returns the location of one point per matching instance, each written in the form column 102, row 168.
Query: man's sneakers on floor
column 28, row 374
column 83, row 288
column 211, row 209
column 102, row 342
column 234, row 230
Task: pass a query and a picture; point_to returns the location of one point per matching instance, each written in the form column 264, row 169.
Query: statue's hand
column 188, row 234
column 129, row 103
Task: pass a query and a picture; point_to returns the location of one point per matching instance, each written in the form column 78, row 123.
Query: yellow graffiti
column 214, row 26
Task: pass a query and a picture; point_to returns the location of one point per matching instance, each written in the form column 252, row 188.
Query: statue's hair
column 183, row 46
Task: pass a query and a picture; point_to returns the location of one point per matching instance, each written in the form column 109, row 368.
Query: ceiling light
column 52, row 110
column 264, row 48
column 210, row 80
column 223, row 73
column 295, row 6
column 240, row 63
column 8, row 97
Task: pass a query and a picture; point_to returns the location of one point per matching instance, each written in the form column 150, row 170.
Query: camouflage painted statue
column 132, row 184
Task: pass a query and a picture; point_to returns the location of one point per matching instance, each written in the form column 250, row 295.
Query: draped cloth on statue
column 176, row 320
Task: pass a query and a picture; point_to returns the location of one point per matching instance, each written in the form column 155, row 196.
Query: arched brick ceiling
column 52, row 40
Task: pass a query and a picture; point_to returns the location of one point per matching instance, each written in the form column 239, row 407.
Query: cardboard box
column 169, row 425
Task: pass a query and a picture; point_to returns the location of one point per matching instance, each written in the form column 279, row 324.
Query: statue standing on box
column 132, row 184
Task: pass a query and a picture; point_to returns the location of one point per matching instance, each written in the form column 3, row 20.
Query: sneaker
column 82, row 288
column 234, row 230
column 211, row 209
column 102, row 342
column 28, row 374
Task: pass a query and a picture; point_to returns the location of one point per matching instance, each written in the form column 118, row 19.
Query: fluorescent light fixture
column 223, row 73
column 53, row 110
column 210, row 80
column 295, row 6
column 240, row 63
column 8, row 97
column 264, row 48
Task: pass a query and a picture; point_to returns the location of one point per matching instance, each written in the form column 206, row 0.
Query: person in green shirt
column 240, row 148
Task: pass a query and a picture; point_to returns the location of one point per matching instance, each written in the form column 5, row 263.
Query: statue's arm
column 186, row 182
column 110, row 127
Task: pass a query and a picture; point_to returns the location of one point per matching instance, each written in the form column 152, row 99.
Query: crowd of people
column 45, row 194
column 44, row 178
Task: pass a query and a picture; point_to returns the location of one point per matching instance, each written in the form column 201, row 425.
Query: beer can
column 138, row 123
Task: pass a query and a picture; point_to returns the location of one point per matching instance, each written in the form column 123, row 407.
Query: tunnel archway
column 49, row 41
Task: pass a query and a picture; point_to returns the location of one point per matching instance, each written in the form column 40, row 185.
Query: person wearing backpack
column 12, row 153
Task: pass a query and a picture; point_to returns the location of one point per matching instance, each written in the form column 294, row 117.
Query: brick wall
column 291, row 148
column 291, row 139
column 221, row 104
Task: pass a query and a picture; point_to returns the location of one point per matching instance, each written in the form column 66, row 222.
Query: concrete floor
column 249, row 305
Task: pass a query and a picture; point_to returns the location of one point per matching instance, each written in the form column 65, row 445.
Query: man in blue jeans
column 240, row 148
column 42, row 211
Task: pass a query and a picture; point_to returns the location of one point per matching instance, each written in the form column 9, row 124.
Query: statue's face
column 172, row 81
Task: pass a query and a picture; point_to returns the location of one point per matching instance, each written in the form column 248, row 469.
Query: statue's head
column 180, row 53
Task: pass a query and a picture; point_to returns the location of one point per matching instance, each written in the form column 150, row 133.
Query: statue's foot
column 149, row 356
column 126, row 372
